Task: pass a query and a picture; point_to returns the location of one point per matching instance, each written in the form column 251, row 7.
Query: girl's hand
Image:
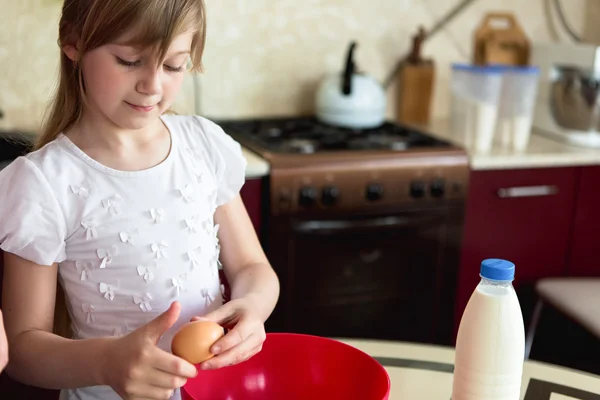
column 3, row 345
column 136, row 368
column 244, row 339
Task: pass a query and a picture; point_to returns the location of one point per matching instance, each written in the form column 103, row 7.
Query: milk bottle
column 490, row 346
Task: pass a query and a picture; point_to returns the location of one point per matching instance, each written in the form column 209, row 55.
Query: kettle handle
column 349, row 70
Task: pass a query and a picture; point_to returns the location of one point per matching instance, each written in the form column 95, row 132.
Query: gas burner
column 303, row 146
column 272, row 132
column 307, row 135
column 384, row 141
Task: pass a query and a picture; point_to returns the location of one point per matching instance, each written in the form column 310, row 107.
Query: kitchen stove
column 316, row 167
column 363, row 227
column 307, row 135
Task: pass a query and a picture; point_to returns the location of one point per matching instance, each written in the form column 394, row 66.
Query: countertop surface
column 541, row 152
column 256, row 166
column 425, row 372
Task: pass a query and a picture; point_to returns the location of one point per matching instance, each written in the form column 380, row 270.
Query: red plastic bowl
column 295, row 367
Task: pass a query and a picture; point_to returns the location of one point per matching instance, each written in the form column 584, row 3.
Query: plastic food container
column 475, row 94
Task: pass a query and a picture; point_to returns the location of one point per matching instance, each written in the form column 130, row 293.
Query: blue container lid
column 519, row 69
column 497, row 68
column 496, row 269
column 480, row 69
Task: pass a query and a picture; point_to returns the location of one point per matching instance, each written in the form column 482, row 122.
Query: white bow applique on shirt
column 194, row 256
column 208, row 297
column 112, row 204
column 106, row 255
column 199, row 172
column 179, row 283
column 107, row 290
column 89, row 310
column 145, row 272
column 187, row 193
column 160, row 249
column 143, row 302
column 84, row 268
column 129, row 237
column 217, row 248
column 193, row 223
column 83, row 189
column 158, row 215
column 122, row 330
column 90, row 229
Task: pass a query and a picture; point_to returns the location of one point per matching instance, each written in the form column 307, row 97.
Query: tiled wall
column 266, row 57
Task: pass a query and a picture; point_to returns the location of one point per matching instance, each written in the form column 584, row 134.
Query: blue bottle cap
column 496, row 269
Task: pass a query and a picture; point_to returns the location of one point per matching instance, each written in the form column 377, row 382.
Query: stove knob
column 307, row 196
column 437, row 188
column 417, row 189
column 330, row 195
column 374, row 192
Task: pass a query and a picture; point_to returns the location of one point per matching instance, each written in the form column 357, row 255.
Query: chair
column 577, row 298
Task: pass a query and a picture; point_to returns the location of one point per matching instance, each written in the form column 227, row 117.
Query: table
column 420, row 371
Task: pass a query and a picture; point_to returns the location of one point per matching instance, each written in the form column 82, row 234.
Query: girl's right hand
column 137, row 369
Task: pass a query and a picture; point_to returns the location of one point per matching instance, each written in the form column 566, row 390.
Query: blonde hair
column 93, row 23
column 89, row 24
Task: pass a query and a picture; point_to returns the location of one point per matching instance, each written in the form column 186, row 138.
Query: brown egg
column 192, row 342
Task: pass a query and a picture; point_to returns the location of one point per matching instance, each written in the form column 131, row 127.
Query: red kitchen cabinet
column 585, row 242
column 251, row 194
column 522, row 215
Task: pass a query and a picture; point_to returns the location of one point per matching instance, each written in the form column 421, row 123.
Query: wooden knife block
column 415, row 91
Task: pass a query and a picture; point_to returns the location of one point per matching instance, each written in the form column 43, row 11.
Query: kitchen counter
column 257, row 167
column 425, row 372
column 542, row 152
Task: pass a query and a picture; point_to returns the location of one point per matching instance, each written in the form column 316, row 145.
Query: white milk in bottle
column 490, row 346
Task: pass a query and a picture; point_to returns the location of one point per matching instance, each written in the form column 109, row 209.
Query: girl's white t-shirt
column 128, row 243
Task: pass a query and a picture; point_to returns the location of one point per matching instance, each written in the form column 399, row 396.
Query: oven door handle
column 337, row 226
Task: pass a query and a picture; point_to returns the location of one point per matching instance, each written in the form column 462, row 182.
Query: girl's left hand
column 243, row 340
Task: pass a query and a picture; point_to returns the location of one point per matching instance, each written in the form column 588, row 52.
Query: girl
column 128, row 208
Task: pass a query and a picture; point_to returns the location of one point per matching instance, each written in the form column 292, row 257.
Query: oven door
column 385, row 276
